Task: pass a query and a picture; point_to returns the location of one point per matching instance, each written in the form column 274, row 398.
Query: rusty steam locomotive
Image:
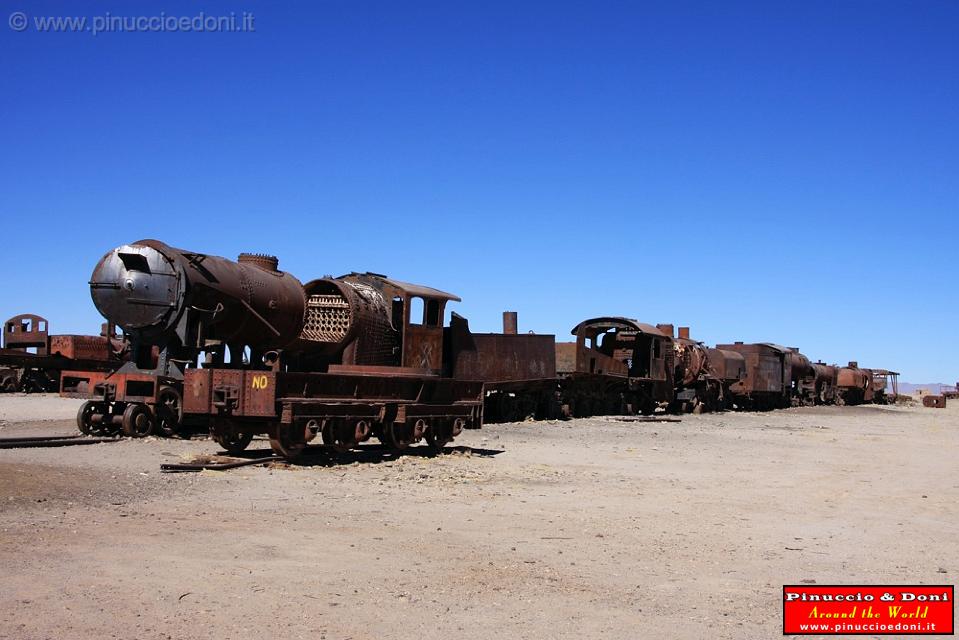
column 247, row 349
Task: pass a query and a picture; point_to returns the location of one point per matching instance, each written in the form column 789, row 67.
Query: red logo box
column 904, row 610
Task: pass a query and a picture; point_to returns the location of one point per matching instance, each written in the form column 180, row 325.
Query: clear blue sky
column 763, row 171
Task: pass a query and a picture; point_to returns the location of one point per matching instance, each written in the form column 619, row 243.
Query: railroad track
column 32, row 442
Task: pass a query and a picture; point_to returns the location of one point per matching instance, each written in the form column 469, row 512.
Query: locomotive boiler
column 854, row 385
column 825, row 381
column 802, row 378
column 696, row 388
column 174, row 305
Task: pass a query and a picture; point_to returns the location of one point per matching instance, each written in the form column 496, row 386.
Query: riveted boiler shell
column 150, row 288
column 692, row 359
column 351, row 319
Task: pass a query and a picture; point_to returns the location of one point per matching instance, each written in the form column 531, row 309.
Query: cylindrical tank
column 351, row 318
column 799, row 365
column 852, row 378
column 825, row 374
column 691, row 360
column 156, row 292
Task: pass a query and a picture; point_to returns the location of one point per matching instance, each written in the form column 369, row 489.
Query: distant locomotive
column 32, row 358
column 854, row 385
column 617, row 365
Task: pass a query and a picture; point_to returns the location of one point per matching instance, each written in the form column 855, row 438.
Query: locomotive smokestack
column 261, row 260
column 684, row 332
column 510, row 323
column 666, row 328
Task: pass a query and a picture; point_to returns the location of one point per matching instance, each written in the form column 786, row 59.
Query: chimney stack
column 684, row 332
column 666, row 328
column 510, row 326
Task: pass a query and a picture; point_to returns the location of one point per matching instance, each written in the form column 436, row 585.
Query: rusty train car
column 32, row 358
column 854, row 385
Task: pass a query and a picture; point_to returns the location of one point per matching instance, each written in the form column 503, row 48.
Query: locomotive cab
column 621, row 346
column 368, row 320
column 640, row 354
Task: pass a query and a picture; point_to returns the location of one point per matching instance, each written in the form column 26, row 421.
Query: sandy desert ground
column 593, row 528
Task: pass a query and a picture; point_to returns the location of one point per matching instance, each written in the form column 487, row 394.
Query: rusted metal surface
column 726, row 365
column 767, row 381
column 154, row 290
column 697, row 389
column 934, row 402
column 506, row 357
column 623, row 347
column 565, row 357
column 359, row 333
column 81, row 347
column 175, row 305
column 692, row 361
column 351, row 321
column 667, row 329
column 27, row 331
column 825, row 380
column 32, row 358
column 885, row 386
column 110, row 386
column 854, row 385
column 802, row 378
column 510, row 323
column 51, row 441
column 637, row 353
column 500, row 357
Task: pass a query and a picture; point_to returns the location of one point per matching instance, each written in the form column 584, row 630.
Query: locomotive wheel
column 287, row 442
column 233, row 441
column 396, row 435
column 169, row 412
column 343, row 435
column 85, row 418
column 9, row 384
column 441, row 433
column 138, row 421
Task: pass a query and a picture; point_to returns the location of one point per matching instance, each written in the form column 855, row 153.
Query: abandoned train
column 247, row 349
column 32, row 358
